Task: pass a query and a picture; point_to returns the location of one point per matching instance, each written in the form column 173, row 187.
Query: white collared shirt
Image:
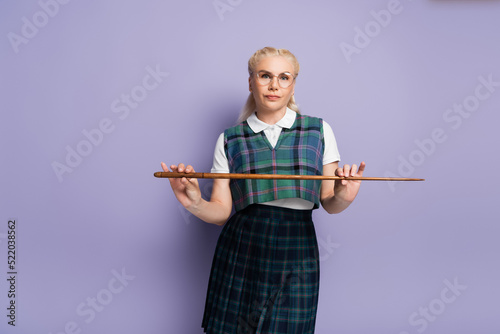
column 272, row 132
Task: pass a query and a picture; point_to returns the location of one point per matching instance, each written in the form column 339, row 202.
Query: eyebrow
column 273, row 73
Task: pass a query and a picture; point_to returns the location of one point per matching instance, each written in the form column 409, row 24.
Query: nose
column 274, row 84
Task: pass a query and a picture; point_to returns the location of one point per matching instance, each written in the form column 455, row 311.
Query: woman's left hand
column 348, row 189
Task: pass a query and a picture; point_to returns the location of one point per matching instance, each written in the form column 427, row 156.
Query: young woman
column 265, row 272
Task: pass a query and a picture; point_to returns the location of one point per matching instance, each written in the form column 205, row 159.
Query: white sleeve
column 331, row 153
column 220, row 164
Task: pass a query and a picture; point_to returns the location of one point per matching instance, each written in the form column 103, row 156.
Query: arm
column 337, row 195
column 187, row 191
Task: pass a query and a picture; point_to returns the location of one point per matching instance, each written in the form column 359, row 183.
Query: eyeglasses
column 285, row 79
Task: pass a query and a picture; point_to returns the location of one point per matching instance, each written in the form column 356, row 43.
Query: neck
column 271, row 116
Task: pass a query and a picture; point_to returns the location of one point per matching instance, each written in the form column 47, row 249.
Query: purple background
column 385, row 260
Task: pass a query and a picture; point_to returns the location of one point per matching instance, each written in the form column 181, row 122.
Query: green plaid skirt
column 265, row 274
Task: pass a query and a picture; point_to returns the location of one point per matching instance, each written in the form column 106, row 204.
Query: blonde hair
column 250, row 105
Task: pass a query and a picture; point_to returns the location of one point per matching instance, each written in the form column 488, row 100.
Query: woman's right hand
column 187, row 191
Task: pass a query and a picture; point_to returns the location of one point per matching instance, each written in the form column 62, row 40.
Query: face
column 271, row 97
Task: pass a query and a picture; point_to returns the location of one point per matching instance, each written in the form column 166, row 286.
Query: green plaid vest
column 299, row 150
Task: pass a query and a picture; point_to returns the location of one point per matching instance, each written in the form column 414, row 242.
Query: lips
column 272, row 97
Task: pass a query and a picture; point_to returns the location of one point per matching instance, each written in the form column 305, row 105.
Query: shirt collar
column 286, row 122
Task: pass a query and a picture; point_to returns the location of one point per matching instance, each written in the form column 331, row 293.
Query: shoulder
column 309, row 118
column 309, row 122
column 327, row 127
column 236, row 129
column 315, row 120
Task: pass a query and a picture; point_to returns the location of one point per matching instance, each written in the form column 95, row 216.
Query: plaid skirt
column 265, row 274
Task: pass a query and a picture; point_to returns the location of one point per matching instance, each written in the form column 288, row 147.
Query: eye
column 264, row 75
column 285, row 77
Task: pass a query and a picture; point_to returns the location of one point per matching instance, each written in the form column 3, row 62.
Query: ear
column 250, row 84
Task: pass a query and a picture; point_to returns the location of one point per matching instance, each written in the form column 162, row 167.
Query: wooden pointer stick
column 275, row 176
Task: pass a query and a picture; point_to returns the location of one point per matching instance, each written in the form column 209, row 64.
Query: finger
column 341, row 171
column 361, row 169
column 164, row 167
column 189, row 183
column 180, row 167
column 354, row 169
column 189, row 169
column 346, row 170
column 173, row 181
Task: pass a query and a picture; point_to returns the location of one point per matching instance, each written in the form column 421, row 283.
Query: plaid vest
column 299, row 150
